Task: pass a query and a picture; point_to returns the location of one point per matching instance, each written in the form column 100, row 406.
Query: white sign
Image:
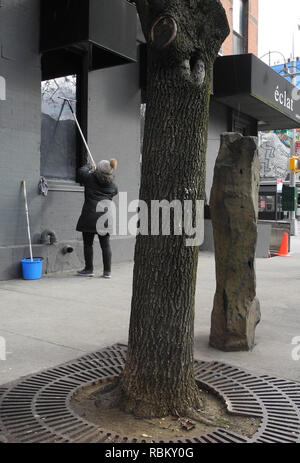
column 279, row 185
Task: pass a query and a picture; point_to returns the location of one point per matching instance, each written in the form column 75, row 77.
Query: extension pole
column 27, row 219
column 80, row 131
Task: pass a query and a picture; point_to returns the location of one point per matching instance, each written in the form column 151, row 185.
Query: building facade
column 275, row 150
column 45, row 51
column 242, row 17
column 243, row 21
column 87, row 50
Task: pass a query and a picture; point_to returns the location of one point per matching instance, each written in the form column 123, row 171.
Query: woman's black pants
column 88, row 240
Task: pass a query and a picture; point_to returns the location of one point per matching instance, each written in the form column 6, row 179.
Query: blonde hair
column 113, row 163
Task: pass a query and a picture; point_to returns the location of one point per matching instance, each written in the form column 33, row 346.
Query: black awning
column 106, row 27
column 246, row 84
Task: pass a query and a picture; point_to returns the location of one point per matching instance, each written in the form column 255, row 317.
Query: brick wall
column 251, row 27
column 227, row 47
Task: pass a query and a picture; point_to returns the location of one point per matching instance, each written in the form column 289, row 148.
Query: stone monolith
column 234, row 211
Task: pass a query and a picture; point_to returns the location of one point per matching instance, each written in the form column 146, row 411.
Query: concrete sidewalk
column 60, row 317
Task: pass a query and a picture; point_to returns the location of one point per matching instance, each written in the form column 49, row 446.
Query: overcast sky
column 278, row 20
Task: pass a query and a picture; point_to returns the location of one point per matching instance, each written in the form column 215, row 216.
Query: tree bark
column 183, row 37
column 234, row 212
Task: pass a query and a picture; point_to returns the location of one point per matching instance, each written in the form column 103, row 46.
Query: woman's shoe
column 106, row 275
column 85, row 273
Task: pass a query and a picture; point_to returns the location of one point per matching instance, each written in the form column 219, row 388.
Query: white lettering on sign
column 2, row 88
column 283, row 99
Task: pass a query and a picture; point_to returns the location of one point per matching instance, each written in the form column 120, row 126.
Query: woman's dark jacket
column 97, row 187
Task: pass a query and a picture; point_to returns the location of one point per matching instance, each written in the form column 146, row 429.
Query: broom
column 27, row 219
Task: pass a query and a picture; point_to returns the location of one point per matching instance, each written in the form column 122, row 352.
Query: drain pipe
column 48, row 237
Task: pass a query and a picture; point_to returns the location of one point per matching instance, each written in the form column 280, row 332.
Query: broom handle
column 27, row 218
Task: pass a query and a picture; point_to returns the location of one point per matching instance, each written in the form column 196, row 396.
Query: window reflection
column 58, row 138
column 238, row 16
column 266, row 203
column 238, row 27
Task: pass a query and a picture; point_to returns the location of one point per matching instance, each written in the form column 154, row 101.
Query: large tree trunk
column 183, row 38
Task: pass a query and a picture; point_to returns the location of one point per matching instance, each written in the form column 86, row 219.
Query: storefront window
column 266, row 203
column 58, row 138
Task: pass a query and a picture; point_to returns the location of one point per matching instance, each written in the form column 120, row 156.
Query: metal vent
column 37, row 408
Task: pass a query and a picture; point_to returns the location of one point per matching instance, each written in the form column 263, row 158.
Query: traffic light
column 295, row 164
column 289, row 198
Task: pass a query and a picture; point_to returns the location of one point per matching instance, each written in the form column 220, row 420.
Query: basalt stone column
column 234, row 210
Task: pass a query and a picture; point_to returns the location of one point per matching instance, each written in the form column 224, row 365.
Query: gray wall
column 114, row 131
column 114, row 108
column 19, row 117
column 217, row 125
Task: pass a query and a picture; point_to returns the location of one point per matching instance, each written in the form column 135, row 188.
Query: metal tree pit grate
column 37, row 408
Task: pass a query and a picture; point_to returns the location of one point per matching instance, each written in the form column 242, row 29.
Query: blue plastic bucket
column 32, row 270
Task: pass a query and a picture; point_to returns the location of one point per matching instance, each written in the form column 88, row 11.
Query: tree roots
column 112, row 395
column 200, row 417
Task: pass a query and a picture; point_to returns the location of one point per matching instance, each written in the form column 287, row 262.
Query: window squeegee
column 78, row 126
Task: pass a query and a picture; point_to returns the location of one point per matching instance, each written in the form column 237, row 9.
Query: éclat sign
column 2, row 89
column 284, row 99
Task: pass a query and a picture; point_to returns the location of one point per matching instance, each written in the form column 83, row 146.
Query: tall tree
column 183, row 39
